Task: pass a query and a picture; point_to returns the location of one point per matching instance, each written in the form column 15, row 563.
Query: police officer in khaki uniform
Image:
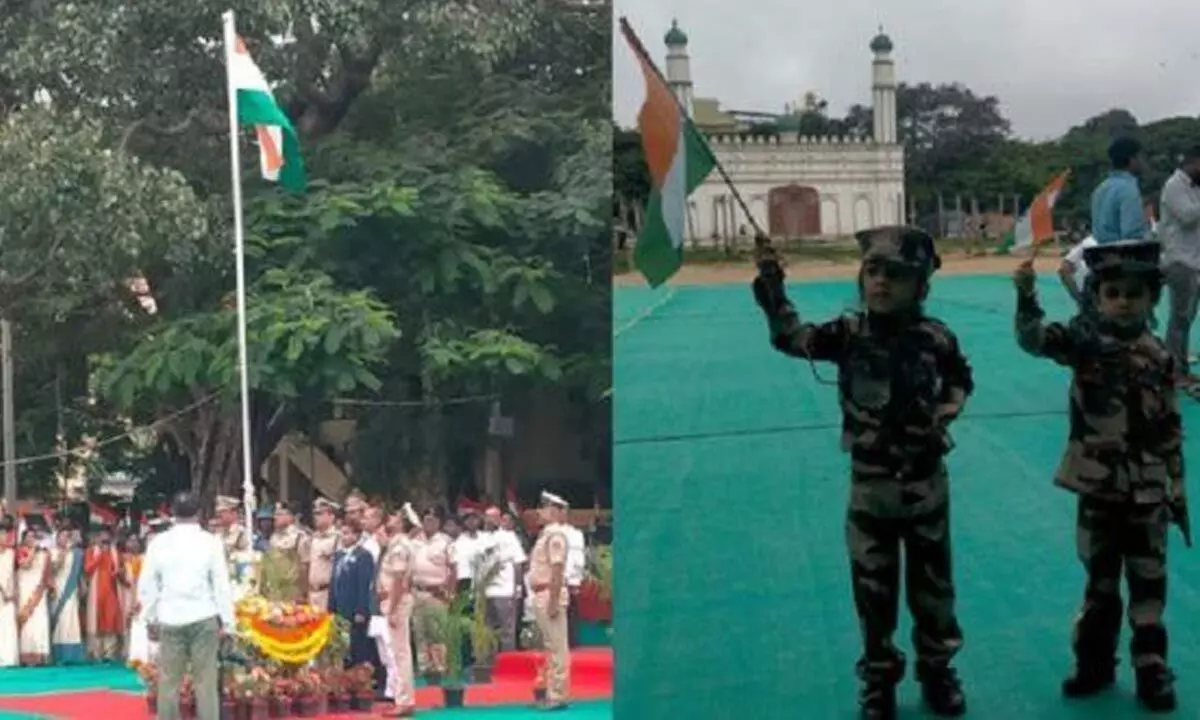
column 547, row 581
column 396, row 604
column 322, row 547
column 290, row 551
column 232, row 529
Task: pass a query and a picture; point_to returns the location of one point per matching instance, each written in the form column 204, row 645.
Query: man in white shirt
column 575, row 571
column 187, row 605
column 467, row 549
column 1074, row 271
column 1179, row 234
column 503, row 592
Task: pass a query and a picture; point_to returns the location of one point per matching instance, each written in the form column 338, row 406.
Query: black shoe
column 1156, row 689
column 1088, row 681
column 877, row 701
column 943, row 693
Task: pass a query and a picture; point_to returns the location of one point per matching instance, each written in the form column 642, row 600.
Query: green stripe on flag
column 259, row 108
column 655, row 255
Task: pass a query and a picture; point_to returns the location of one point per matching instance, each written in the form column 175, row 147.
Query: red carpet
column 512, row 684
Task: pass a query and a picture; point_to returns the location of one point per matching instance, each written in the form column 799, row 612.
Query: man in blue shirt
column 1117, row 211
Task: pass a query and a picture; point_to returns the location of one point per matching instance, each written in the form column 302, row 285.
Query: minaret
column 679, row 68
column 883, row 89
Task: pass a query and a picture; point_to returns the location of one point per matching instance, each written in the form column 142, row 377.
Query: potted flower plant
column 229, row 695
column 335, row 682
column 312, row 700
column 149, row 675
column 283, row 692
column 259, row 690
column 362, row 687
column 242, row 686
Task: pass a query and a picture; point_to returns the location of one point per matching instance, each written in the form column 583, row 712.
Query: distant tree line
column 960, row 143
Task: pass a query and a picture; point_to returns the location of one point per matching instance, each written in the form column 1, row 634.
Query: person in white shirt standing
column 503, row 592
column 576, row 570
column 466, row 550
column 1179, row 233
column 187, row 605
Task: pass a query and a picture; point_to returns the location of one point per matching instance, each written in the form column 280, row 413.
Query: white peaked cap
column 550, row 498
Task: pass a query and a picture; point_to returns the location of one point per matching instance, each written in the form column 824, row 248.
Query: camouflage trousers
column 1111, row 537
column 884, row 514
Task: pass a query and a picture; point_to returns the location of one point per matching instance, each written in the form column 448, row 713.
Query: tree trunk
column 211, row 438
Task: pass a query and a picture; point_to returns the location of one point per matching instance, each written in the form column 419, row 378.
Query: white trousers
column 378, row 629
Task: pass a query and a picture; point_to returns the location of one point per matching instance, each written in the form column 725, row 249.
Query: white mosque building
column 795, row 186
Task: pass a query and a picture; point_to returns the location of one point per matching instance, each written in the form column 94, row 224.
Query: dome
column 881, row 43
column 675, row 36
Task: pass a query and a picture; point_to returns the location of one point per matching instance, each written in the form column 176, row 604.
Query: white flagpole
column 239, row 242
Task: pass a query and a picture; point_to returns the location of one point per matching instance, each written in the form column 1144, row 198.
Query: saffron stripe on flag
column 1037, row 224
column 678, row 160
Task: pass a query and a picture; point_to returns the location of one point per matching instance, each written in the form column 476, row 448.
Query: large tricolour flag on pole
column 279, row 148
column 1037, row 224
column 678, row 159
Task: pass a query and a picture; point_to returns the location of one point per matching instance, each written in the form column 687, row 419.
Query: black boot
column 1088, row 680
column 877, row 701
column 943, row 692
column 1156, row 689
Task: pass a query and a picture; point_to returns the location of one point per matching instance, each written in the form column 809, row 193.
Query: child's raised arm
column 1055, row 341
column 789, row 335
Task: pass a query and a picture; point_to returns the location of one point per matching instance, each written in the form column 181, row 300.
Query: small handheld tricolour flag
column 278, row 146
column 1036, row 226
column 678, row 159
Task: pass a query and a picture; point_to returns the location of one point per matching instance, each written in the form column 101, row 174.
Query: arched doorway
column 795, row 211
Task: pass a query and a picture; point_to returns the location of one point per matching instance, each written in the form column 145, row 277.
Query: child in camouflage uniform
column 902, row 379
column 1123, row 459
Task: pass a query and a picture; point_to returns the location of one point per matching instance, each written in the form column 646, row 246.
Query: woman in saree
column 10, row 652
column 33, row 602
column 140, row 649
column 66, row 636
column 105, row 619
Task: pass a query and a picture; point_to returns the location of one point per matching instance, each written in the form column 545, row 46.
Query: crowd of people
column 67, row 597
column 1117, row 213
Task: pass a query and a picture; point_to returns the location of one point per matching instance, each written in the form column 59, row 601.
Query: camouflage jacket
column 891, row 383
column 1126, row 436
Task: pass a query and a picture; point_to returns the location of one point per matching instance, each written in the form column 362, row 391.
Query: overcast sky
column 1052, row 63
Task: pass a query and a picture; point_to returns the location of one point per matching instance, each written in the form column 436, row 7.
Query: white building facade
column 799, row 187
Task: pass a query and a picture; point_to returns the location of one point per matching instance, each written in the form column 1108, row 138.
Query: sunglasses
column 890, row 271
column 1114, row 292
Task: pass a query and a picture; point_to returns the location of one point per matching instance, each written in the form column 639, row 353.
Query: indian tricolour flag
column 1036, row 226
column 279, row 149
column 678, row 159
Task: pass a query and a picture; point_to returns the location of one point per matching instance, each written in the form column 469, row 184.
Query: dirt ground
column 801, row 270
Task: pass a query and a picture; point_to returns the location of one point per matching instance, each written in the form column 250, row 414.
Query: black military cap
column 903, row 245
column 1125, row 256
